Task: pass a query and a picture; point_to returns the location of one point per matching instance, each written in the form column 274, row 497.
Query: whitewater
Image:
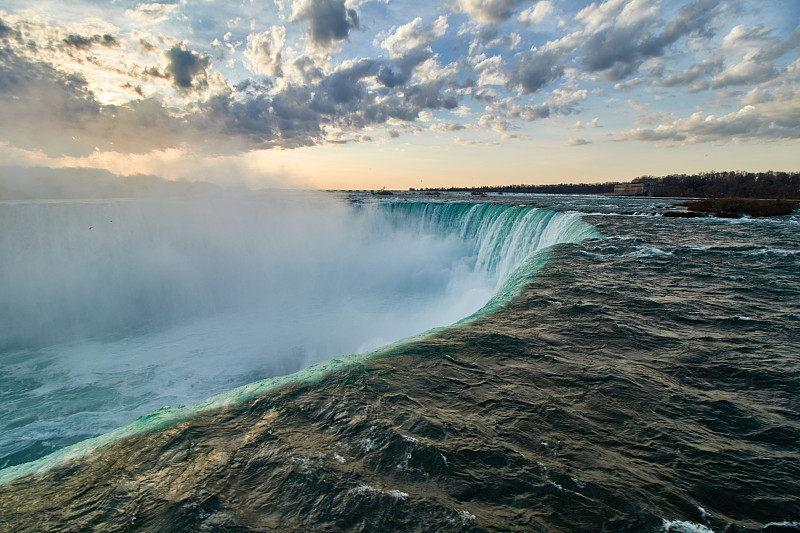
column 123, row 315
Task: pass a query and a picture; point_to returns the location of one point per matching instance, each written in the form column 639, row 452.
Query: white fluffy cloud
column 773, row 117
column 488, row 11
column 536, row 14
column 264, row 51
column 414, row 35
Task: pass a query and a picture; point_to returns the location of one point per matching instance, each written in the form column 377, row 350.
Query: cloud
column 488, row 11
column 742, row 35
column 776, row 118
column 529, row 112
column 58, row 114
column 307, row 69
column 151, row 13
column 758, row 53
column 536, row 14
column 491, row 71
column 5, row 30
column 398, row 72
column 186, row 68
column 620, row 37
column 533, row 70
column 445, row 127
column 747, row 72
column 503, row 115
column 264, row 51
column 694, row 78
column 329, row 20
column 594, row 123
column 94, row 87
column 577, row 142
column 80, row 42
column 344, row 86
column 414, row 35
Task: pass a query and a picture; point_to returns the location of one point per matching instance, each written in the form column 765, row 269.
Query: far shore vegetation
column 722, row 194
column 770, row 184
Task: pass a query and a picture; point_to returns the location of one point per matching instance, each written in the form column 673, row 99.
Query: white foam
column 678, row 526
column 783, row 524
column 366, row 489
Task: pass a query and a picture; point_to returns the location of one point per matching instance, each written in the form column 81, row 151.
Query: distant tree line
column 740, row 184
column 712, row 184
column 563, row 188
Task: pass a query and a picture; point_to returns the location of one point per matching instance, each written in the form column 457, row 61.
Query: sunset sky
column 387, row 93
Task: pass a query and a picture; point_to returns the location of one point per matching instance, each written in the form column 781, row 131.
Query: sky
column 365, row 94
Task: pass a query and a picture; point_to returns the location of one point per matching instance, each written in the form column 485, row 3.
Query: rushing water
column 113, row 309
column 643, row 378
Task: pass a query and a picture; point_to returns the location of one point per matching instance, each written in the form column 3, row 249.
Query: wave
column 133, row 304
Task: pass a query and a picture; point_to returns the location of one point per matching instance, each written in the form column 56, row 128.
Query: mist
column 114, row 307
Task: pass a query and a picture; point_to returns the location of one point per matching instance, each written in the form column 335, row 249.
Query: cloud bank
column 306, row 73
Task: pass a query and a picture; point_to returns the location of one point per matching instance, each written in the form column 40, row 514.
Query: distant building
column 629, row 189
column 638, row 187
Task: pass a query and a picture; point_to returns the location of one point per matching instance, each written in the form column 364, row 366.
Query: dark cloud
column 7, row 32
column 185, row 67
column 78, row 42
column 81, row 42
column 344, row 86
column 329, row 20
column 308, row 69
column 429, row 95
column 108, row 40
column 147, row 46
column 400, row 70
column 620, row 50
column 532, row 71
column 155, row 73
column 692, row 18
